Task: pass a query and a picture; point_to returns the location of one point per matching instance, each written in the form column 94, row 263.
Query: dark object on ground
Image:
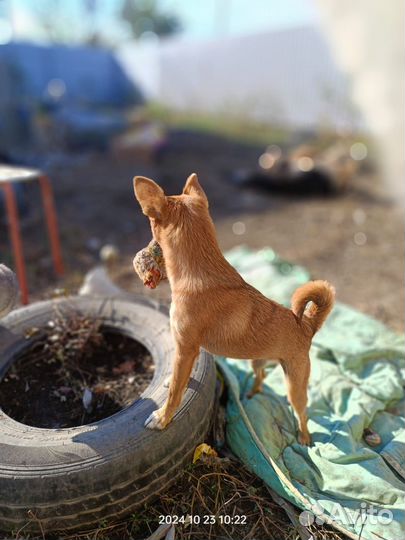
column 315, row 182
column 74, row 478
column 303, row 171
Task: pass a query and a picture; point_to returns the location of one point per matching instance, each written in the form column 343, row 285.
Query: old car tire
column 66, row 479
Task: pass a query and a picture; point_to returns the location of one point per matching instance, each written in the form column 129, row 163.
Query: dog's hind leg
column 258, row 368
column 296, row 377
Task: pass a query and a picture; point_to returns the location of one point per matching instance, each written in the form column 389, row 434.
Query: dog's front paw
column 157, row 420
column 304, row 439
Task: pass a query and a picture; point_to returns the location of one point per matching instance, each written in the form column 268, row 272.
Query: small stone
column 59, row 292
column 109, row 253
column 371, row 437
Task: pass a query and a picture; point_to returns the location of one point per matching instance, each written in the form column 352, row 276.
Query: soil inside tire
column 55, row 388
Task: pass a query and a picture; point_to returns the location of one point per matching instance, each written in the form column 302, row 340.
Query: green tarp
column 357, row 381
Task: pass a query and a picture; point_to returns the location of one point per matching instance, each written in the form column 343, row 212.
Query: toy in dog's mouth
column 152, row 279
column 149, row 264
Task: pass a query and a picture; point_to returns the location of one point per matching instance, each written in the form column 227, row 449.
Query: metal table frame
column 8, row 176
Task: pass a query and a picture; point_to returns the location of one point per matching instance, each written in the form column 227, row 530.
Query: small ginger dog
column 214, row 308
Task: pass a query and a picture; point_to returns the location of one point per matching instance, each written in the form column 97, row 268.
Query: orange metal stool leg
column 52, row 224
column 15, row 237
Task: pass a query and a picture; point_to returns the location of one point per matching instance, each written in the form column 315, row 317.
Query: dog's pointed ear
column 192, row 187
column 150, row 196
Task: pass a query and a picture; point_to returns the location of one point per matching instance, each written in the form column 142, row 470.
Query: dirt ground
column 355, row 240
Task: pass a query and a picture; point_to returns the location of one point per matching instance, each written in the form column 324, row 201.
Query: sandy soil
column 355, row 240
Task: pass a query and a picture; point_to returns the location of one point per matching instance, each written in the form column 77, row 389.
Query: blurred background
column 290, row 111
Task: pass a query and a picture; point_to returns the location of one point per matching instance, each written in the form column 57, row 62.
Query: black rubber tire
column 73, row 478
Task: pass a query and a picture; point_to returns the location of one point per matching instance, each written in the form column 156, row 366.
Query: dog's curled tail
column 322, row 296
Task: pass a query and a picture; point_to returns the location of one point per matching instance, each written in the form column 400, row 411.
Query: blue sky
column 213, row 18
column 201, row 19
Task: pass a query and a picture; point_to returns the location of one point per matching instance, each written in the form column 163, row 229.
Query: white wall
column 288, row 77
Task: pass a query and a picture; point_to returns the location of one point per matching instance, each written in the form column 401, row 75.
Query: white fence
column 286, row 77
